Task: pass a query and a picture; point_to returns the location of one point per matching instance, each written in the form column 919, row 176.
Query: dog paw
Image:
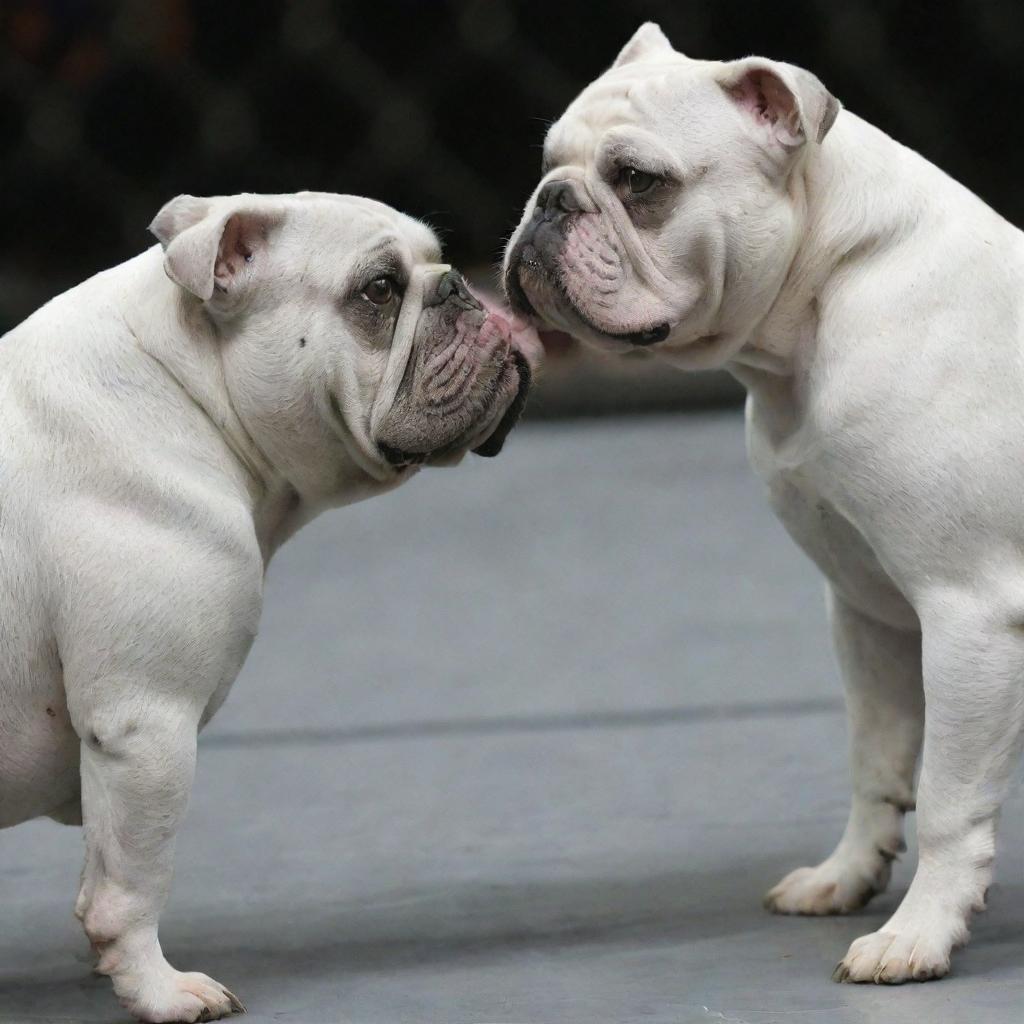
column 833, row 887
column 894, row 957
column 180, row 996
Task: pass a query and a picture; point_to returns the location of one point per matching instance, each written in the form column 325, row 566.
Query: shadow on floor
column 513, row 724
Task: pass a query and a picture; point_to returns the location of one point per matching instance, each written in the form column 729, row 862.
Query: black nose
column 558, row 197
column 447, row 285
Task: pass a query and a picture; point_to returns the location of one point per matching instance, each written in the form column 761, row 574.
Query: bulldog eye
column 638, row 181
column 380, row 291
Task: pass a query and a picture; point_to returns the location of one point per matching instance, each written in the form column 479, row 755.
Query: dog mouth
column 530, row 272
column 495, row 440
column 486, row 442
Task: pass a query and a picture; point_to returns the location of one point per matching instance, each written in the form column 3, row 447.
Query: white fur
column 874, row 308
column 158, row 441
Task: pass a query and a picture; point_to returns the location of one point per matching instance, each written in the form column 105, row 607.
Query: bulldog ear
column 648, row 41
column 789, row 104
column 209, row 247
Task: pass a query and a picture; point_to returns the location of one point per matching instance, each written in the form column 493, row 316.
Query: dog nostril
column 446, row 286
column 558, row 197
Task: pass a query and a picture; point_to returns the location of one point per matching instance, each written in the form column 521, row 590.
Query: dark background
column 107, row 110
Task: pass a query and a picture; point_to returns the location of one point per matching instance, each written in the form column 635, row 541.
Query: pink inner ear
column 233, row 253
column 769, row 102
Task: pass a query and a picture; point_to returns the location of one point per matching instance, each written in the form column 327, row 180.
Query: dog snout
column 557, row 198
column 541, row 237
column 445, row 287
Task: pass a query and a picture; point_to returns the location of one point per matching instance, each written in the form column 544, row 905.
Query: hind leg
column 137, row 767
column 973, row 669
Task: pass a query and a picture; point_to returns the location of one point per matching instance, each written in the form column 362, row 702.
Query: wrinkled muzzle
column 454, row 381
column 569, row 266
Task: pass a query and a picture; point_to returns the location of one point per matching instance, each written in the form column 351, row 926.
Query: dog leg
column 973, row 664
column 881, row 670
column 137, row 767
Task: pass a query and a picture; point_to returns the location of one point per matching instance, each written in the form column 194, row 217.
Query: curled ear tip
column 176, row 203
column 162, row 226
column 176, row 215
column 647, row 39
column 652, row 32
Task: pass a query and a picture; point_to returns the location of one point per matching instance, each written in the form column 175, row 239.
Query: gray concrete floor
column 523, row 742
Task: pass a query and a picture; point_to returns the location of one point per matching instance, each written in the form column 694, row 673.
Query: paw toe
column 885, row 958
column 184, row 997
column 827, row 889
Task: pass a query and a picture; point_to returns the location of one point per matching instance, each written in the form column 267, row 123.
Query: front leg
column 138, row 760
column 973, row 665
column 881, row 671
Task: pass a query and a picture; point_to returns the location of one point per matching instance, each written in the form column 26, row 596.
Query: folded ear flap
column 209, row 247
column 787, row 103
column 647, row 41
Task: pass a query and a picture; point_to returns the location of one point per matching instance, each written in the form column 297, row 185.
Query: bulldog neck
column 173, row 329
column 855, row 201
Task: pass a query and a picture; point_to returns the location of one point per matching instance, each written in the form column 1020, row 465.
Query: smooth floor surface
column 524, row 743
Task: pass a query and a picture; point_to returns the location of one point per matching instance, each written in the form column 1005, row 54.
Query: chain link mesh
column 439, row 108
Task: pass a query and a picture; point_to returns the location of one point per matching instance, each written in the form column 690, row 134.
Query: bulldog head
column 667, row 213
column 347, row 346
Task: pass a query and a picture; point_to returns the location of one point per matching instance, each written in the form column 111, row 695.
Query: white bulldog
column 164, row 427
column 731, row 215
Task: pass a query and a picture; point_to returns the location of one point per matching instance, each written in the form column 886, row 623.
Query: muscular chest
column 821, row 507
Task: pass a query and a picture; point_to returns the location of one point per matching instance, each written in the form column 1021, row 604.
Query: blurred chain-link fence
column 435, row 106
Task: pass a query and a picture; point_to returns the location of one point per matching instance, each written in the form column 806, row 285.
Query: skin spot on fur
column 302, row 342
column 51, row 712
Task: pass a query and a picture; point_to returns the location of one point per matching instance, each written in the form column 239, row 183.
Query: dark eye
column 380, row 291
column 638, row 181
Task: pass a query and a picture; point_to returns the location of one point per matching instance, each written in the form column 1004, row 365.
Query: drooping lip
column 495, row 441
column 522, row 351
column 525, row 352
column 533, row 264
column 489, row 440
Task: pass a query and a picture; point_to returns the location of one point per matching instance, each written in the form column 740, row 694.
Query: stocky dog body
column 164, row 427
column 731, row 215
